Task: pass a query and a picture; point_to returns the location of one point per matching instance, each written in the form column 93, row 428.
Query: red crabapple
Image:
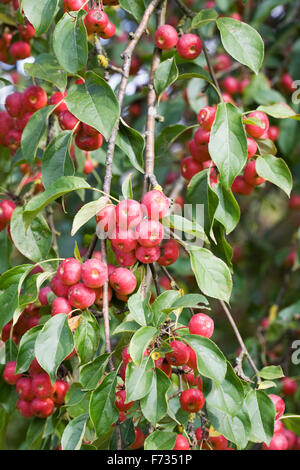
column 94, row 273
column 24, row 408
column 125, row 259
column 147, row 255
column 96, row 20
column 108, row 32
column 223, row 62
column 20, row 50
column 56, row 98
column 24, row 388
column 43, row 295
column 120, row 401
column 289, row 386
column 139, row 439
column 291, row 438
column 59, row 289
column 74, row 5
column 9, row 375
column 155, row 204
column 41, row 385
column 88, row 142
column 287, row 83
column 123, row 240
column 250, row 175
column 35, row 98
column 273, row 133
column 190, row 167
column 180, row 354
column 150, row 233
column 60, row 389
column 189, row 46
column 257, row 131
column 206, row 117
column 68, row 121
column 123, row 281
column 181, row 443
column 166, row 37
column 192, row 362
column 35, row 368
column 252, row 147
column 42, row 407
column 128, row 213
column 6, row 210
column 218, row 442
column 80, row 296
column 278, row 442
column 14, row 104
column 199, row 153
column 169, row 253
column 69, row 271
column 106, row 218
column 60, row 305
column 231, row 85
column 201, row 324
column 279, row 405
column 192, row 400
column 239, row 186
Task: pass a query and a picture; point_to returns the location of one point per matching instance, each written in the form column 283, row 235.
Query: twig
column 155, row 278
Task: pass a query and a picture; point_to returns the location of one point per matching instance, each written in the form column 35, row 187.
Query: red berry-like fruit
column 169, row 253
column 287, row 83
column 41, row 385
column 123, row 240
column 189, row 46
column 139, row 439
column 252, row 147
column 60, row 305
column 120, row 401
column 56, row 98
column 109, row 31
column 14, row 104
column 250, row 175
column 190, row 167
column 69, row 271
column 24, row 408
column 7, row 208
column 96, row 20
column 68, row 121
column 59, row 289
column 201, row 324
column 289, row 386
column 125, row 259
column 199, row 435
column 278, row 442
column 290, row 437
column 35, row 368
column 239, row 186
column 155, row 204
column 192, row 362
column 273, row 133
column 123, row 281
column 42, row 407
column 129, row 213
column 279, row 405
column 6, row 123
column 147, row 255
column 166, row 37
column 223, row 62
column 24, row 388
column 20, row 50
column 181, row 443
column 80, row 296
column 74, row 5
column 150, row 233
column 9, row 375
column 257, row 131
column 180, row 354
column 35, row 98
column 206, row 117
column 43, row 295
column 192, row 400
column 60, row 389
column 94, row 273
column 231, row 85
column 88, row 142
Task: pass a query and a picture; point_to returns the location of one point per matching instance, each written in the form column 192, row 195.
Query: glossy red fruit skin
column 20, row 50
column 22, row 122
column 24, row 408
column 139, row 439
column 169, row 253
column 123, row 281
column 108, row 32
column 199, row 153
column 69, row 271
column 123, row 240
column 43, row 295
column 278, row 442
column 24, row 388
column 163, row 365
column 35, row 368
column 26, row 31
column 14, row 104
column 150, row 233
column 279, row 405
column 258, row 131
column 181, row 443
column 106, row 218
column 201, row 137
column 191, row 400
column 199, row 435
column 231, row 85
column 290, row 437
column 126, row 358
column 273, row 133
column 7, row 208
column 59, row 289
column 147, row 255
column 250, row 175
column 201, row 324
column 60, row 389
column 252, row 147
column 96, row 20
column 60, row 305
column 42, row 407
column 6, row 123
column 41, row 385
column 125, row 259
column 88, row 142
column 294, row 202
column 189, row 46
column 35, row 98
column 68, row 121
column 180, row 354
column 166, row 37
column 192, row 362
column 9, row 375
column 239, row 186
column 190, row 167
column 155, row 204
column 120, row 401
column 218, row 442
column 13, row 140
column 80, row 296
column 287, row 83
column 289, row 386
column 129, row 213
column 58, row 98
column 74, row 5
column 206, row 117
column 94, row 273
column 223, row 62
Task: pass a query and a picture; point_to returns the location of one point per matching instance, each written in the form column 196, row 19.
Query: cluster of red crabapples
column 188, row 46
column 135, row 237
column 37, row 395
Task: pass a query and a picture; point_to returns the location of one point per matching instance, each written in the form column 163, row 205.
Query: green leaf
column 160, row 440
column 154, row 406
column 127, row 435
column 261, row 412
column 135, row 7
column 167, row 136
column 126, row 326
column 9, row 303
column 63, row 185
column 187, row 301
column 13, row 275
column 70, row 42
column 132, row 144
column 165, row 74
column 204, row 17
column 212, row 274
column 91, row 373
column 26, row 349
column 73, row 433
column 54, row 343
column 56, row 160
column 94, row 103
column 40, row 14
column 127, row 191
column 35, row 242
column 271, row 372
column 162, row 302
column 224, row 404
column 276, row 171
column 139, row 379
column 35, row 433
column 140, row 341
column 242, row 42
column 103, row 412
column 34, row 132
column 47, row 68
column 210, row 360
column 187, row 226
column 137, row 309
column 86, row 212
column 228, row 210
column 292, row 422
column 87, row 337
column 279, row 111
column 228, row 143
